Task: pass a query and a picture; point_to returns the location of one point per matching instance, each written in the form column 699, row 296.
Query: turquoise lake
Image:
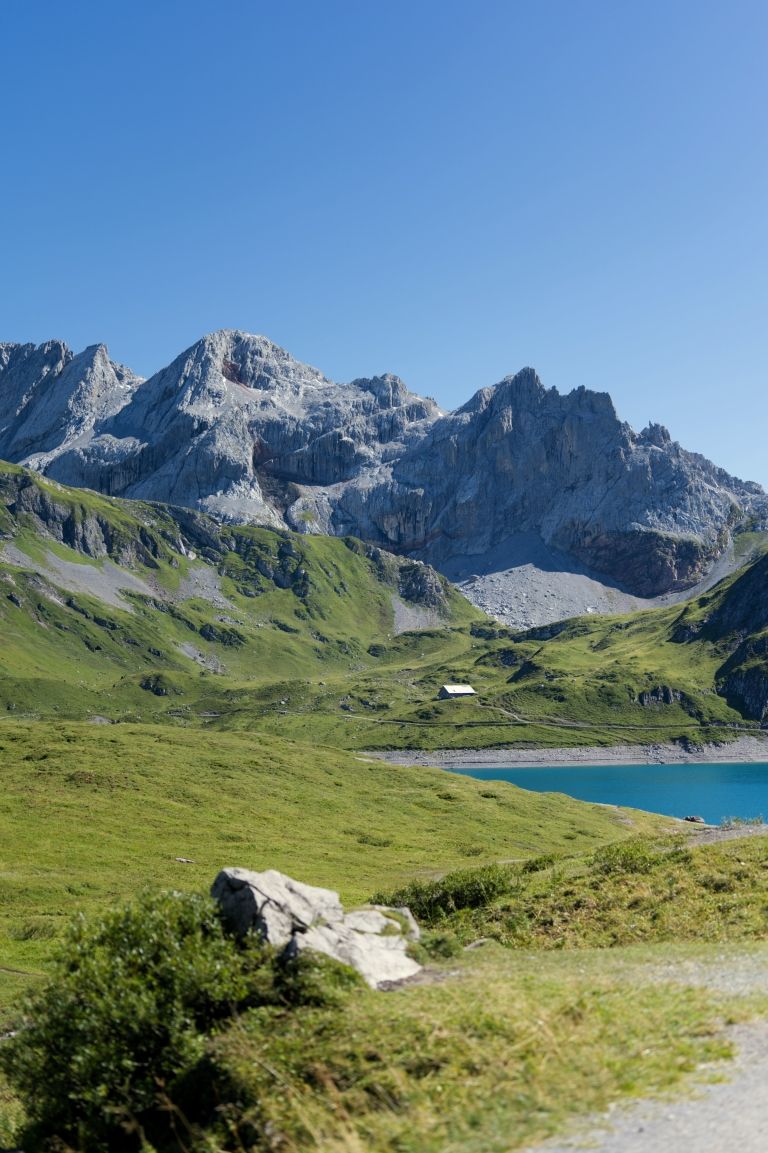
column 714, row 792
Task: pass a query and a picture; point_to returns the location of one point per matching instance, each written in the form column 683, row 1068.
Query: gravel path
column 708, row 834
column 729, row 1114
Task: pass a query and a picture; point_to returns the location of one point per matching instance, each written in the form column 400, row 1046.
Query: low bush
column 538, row 864
column 111, row 1045
column 636, row 856
column 123, row 1016
column 429, row 901
column 435, row 945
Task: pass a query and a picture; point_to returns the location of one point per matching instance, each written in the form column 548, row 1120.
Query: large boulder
column 272, row 904
column 293, row 917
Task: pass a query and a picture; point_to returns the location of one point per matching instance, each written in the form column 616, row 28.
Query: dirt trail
column 714, row 1116
column 717, row 1118
column 709, row 834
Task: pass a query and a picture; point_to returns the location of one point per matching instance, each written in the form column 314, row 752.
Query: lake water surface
column 712, row 791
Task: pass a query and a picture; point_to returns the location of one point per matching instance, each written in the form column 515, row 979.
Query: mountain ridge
column 238, row 428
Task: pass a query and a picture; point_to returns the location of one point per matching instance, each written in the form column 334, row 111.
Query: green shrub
column 311, row 979
column 114, row 1050
column 124, row 1015
column 635, row 856
column 466, row 889
column 437, row 945
column 538, row 864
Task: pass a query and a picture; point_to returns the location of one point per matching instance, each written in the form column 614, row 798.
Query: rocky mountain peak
column 50, row 397
column 253, row 361
column 656, row 435
column 51, row 352
column 524, row 392
column 391, row 392
column 521, row 388
column 23, row 368
column 238, row 427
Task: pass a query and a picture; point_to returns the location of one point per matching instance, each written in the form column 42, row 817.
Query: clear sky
column 448, row 191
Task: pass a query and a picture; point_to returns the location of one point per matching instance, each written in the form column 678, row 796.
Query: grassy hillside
column 691, row 672
column 138, row 611
column 554, row 1025
column 639, row 890
column 482, row 1061
column 496, row 1047
column 141, row 613
column 91, row 813
column 243, row 668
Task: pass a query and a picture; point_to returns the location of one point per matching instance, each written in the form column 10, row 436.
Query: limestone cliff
column 519, row 458
column 238, row 428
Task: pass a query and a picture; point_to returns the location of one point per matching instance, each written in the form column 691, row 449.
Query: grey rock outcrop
column 52, row 400
column 519, row 458
column 235, row 426
column 238, row 428
column 83, row 529
column 746, row 687
column 744, row 610
column 294, row 917
column 735, row 622
column 660, row 695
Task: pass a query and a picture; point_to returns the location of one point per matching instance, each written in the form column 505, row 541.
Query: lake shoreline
column 743, row 749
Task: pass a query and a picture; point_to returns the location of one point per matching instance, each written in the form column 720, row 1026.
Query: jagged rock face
column 521, row 458
column 735, row 622
column 237, row 427
column 51, row 399
column 87, row 532
column 745, row 609
column 234, row 422
column 743, row 680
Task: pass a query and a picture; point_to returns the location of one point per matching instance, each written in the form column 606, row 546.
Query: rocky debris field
column 741, row 749
column 523, row 583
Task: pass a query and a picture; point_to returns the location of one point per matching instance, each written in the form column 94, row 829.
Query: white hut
column 450, row 692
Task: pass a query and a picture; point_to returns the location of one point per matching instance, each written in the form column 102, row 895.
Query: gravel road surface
column 717, row 1118
column 727, row 1116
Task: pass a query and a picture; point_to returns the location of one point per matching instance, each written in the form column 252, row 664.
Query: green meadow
column 90, row 814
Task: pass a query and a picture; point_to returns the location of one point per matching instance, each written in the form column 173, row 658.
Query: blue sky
column 446, row 191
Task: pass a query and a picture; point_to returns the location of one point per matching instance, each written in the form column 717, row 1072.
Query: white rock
column 272, row 904
column 294, row 916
